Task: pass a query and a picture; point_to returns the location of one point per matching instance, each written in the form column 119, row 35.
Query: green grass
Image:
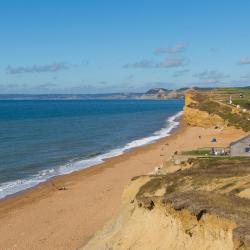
column 244, row 103
column 199, row 152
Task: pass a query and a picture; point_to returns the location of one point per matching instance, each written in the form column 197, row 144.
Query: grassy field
column 223, row 94
column 245, row 103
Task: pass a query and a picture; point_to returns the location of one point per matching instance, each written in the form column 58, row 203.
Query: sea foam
column 12, row 187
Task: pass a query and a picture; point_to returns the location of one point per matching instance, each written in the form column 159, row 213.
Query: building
column 240, row 147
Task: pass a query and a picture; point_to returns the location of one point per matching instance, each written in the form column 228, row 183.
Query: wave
column 12, row 187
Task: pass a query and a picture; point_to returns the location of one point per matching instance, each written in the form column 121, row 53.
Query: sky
column 97, row 46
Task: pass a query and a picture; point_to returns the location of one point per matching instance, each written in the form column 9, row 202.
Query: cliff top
column 215, row 186
column 220, row 104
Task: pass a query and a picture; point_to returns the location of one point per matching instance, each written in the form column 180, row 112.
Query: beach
column 124, row 125
column 48, row 218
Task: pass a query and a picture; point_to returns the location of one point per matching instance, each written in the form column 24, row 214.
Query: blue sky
column 91, row 46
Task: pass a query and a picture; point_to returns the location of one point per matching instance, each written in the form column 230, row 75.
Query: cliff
column 208, row 109
column 203, row 206
column 203, row 203
column 196, row 117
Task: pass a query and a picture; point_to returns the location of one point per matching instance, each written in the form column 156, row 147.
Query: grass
column 206, row 187
column 205, row 103
column 199, row 152
column 242, row 102
column 205, row 170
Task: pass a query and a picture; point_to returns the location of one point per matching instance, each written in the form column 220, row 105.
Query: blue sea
column 43, row 139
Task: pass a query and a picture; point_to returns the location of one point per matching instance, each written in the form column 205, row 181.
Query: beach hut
column 240, row 147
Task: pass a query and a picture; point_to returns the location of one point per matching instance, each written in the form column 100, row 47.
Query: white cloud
column 36, row 68
column 167, row 63
column 180, row 72
column 210, row 76
column 177, row 48
column 244, row 60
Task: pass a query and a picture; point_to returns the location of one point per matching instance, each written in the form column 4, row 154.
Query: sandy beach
column 47, row 218
column 124, row 125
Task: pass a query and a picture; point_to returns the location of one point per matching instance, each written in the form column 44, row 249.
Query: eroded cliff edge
column 208, row 109
column 202, row 204
column 197, row 117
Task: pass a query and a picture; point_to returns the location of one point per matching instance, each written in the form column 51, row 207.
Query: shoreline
column 36, row 217
column 114, row 159
column 173, row 122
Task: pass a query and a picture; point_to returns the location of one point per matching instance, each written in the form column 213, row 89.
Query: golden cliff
column 208, row 109
column 196, row 117
column 203, row 206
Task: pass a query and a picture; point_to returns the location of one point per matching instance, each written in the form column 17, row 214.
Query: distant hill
column 151, row 94
column 164, row 94
column 108, row 96
column 157, row 91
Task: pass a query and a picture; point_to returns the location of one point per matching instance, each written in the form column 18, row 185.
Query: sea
column 41, row 139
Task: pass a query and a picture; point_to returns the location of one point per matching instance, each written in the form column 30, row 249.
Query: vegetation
column 242, row 102
column 211, row 185
column 197, row 152
column 206, row 102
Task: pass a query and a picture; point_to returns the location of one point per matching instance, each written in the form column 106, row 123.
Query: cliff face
column 203, row 206
column 141, row 229
column 196, row 117
column 208, row 109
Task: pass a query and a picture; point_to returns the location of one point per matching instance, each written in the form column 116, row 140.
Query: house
column 240, row 147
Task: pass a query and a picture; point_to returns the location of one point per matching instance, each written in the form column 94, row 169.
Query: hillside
column 218, row 108
column 164, row 94
column 107, row 96
column 203, row 206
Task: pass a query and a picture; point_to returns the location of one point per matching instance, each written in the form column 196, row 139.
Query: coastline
column 58, row 180
column 92, row 195
column 16, row 187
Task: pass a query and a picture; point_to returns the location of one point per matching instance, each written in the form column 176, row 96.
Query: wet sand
column 47, row 218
